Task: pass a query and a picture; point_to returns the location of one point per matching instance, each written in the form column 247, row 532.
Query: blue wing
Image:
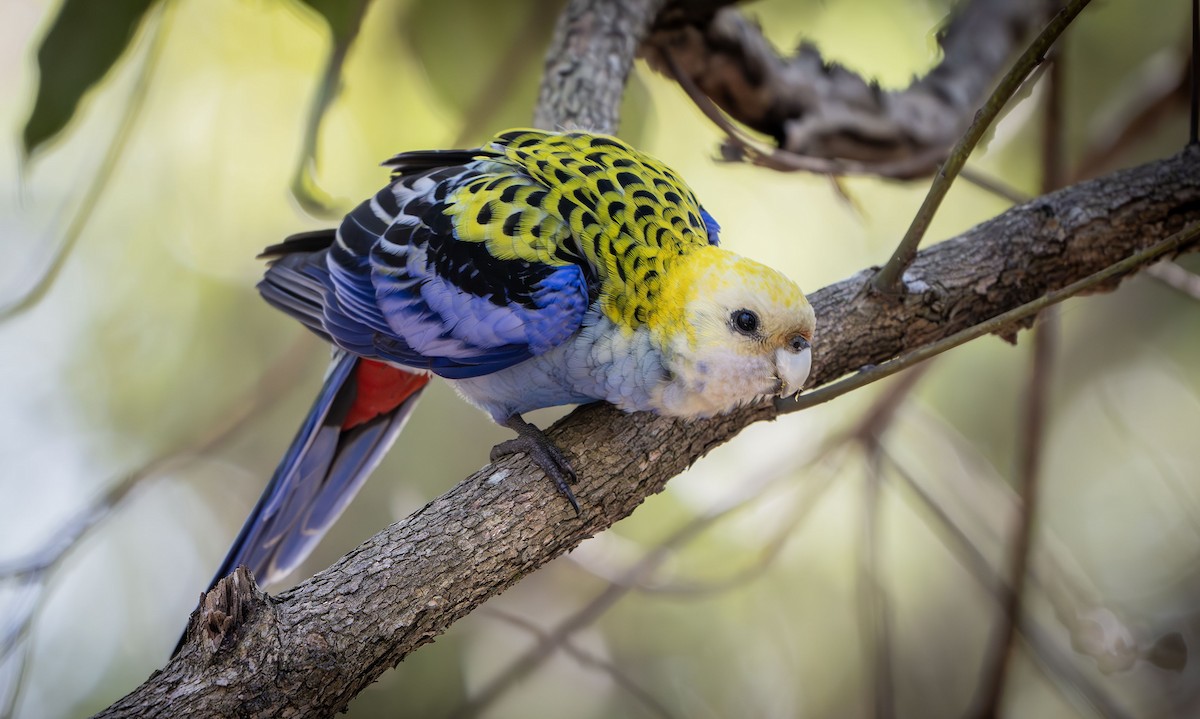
column 398, row 284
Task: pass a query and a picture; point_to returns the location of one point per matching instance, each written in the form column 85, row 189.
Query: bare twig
column 1042, row 641
column 819, row 111
column 888, row 279
column 275, row 381
column 1031, row 433
column 1194, row 117
column 305, row 187
column 64, row 239
column 1176, row 277
column 995, row 324
column 874, row 607
column 1053, row 154
column 639, row 576
column 814, row 489
column 1155, row 92
column 635, row 576
column 1032, row 436
column 586, row 659
column 994, row 186
column 866, row 430
column 33, row 570
column 873, row 603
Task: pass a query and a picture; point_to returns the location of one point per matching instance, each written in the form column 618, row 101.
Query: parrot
column 540, row 269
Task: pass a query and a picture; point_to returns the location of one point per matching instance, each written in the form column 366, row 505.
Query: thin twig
column 994, row 186
column 873, row 602
column 1176, row 277
column 882, row 413
column 1150, row 98
column 1053, row 155
column 504, row 74
column 956, row 539
column 586, row 659
column 1032, row 436
column 44, row 278
column 305, row 188
column 871, row 424
column 276, row 380
column 617, row 589
column 1045, row 649
column 1194, row 116
column 814, row 490
column 17, row 683
column 997, row 323
column 887, row 280
column 999, row 658
column 637, row 576
column 33, row 569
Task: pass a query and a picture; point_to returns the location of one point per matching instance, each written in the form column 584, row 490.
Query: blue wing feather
column 711, row 227
column 411, row 292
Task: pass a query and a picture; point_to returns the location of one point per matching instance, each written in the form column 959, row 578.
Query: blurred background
column 146, row 391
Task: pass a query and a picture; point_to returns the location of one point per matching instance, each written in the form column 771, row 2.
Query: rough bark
column 590, row 56
column 816, row 109
column 310, row 650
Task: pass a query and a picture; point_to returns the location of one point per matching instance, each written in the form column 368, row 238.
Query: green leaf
column 84, row 42
column 344, row 18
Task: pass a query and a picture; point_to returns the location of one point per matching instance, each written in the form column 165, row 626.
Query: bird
column 540, row 269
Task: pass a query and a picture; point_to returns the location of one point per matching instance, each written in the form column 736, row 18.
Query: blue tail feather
column 321, row 472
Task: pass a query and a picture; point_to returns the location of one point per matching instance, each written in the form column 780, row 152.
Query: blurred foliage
column 83, row 44
column 152, row 335
column 344, row 18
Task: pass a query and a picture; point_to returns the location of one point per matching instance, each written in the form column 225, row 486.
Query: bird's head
column 740, row 331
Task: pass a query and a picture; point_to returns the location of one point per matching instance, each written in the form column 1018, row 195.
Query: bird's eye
column 745, row 321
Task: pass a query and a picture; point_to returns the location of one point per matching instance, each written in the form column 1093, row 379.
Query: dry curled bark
column 310, row 650
column 821, row 110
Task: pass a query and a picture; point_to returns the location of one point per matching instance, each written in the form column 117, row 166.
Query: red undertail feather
column 380, row 389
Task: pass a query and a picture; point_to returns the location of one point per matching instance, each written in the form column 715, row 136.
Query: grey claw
column 532, row 441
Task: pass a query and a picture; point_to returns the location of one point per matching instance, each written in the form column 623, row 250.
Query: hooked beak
column 793, row 367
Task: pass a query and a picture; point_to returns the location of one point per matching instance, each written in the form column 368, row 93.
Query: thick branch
column 313, row 648
column 821, row 110
column 589, row 60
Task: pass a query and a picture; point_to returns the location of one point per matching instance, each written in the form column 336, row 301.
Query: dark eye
column 745, row 321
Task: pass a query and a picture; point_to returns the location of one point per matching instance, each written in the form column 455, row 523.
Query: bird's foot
column 533, row 442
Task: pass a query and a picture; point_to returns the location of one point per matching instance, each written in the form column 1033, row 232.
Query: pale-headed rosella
column 542, row 269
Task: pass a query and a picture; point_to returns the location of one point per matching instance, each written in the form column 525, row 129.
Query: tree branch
column 308, row 651
column 830, row 116
column 589, row 60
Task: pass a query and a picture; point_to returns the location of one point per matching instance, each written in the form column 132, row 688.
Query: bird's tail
column 361, row 409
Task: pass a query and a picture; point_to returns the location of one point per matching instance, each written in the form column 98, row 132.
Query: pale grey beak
column 793, row 368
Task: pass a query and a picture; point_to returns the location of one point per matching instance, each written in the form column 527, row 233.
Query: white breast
column 600, row 362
